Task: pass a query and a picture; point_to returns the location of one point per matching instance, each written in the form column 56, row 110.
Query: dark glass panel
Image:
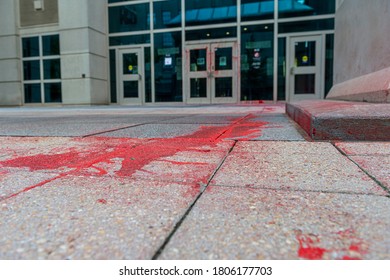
column 257, row 9
column 198, row 60
column 216, row 33
column 32, row 93
column 130, row 40
column 305, row 53
column 282, row 69
column 198, row 88
column 53, row 93
column 329, row 63
column 51, row 69
column 51, row 45
column 31, row 70
column 298, row 8
column 305, row 84
column 168, row 67
column 130, row 89
column 224, row 87
column 168, row 14
column 30, row 46
column 223, row 58
column 309, row 25
column 129, row 18
column 257, row 72
column 130, row 63
column 113, row 76
column 148, row 76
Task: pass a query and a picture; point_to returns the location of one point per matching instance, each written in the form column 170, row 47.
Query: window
column 42, row 69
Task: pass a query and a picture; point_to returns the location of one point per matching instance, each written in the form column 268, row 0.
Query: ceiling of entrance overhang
column 248, row 10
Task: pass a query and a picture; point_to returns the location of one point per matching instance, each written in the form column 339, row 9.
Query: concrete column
column 84, row 51
column 10, row 72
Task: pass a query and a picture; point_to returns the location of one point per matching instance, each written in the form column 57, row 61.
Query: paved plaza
column 186, row 182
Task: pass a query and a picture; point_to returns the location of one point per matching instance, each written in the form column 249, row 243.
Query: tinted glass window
column 297, row 8
column 309, row 25
column 167, row 14
column 257, row 62
column 129, row 18
column 130, row 40
column 31, row 70
column 216, row 33
column 168, row 67
column 53, row 93
column 51, row 45
column 30, row 47
column 51, row 69
column 32, row 93
column 257, row 9
column 199, row 12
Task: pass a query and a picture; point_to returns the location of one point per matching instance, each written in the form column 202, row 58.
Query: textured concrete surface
column 234, row 223
column 372, row 157
column 342, row 120
column 203, row 182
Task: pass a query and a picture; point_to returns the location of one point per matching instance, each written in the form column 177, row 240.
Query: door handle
column 292, row 70
column 140, row 76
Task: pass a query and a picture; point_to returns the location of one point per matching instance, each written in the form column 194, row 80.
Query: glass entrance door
column 305, row 68
column 211, row 73
column 131, row 73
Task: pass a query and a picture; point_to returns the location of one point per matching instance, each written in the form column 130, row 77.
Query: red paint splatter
column 308, row 247
column 101, row 201
column 136, row 154
column 349, row 247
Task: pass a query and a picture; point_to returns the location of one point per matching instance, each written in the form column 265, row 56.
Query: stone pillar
column 10, row 77
column 84, row 51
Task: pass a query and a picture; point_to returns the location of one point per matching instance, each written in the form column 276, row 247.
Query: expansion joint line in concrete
column 232, row 125
column 365, row 171
column 121, row 128
column 202, row 190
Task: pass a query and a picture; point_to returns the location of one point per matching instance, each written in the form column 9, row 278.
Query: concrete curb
column 341, row 120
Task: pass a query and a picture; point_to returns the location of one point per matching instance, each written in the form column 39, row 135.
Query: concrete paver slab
column 284, row 170
column 92, row 218
column 364, row 148
column 12, row 183
column 376, row 166
column 286, row 147
column 163, row 131
column 234, row 223
column 206, row 119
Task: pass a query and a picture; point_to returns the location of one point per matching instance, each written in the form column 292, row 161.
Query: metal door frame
column 131, row 77
column 317, row 69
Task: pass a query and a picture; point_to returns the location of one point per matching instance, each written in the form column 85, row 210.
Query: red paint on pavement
column 308, row 247
column 101, row 201
column 349, row 246
column 100, row 152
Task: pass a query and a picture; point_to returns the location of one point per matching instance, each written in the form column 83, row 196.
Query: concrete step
column 342, row 120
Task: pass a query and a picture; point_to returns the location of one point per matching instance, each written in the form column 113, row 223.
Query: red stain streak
column 135, row 156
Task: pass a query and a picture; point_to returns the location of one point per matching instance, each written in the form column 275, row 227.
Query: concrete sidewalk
column 207, row 182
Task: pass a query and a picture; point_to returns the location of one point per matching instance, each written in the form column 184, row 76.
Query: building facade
column 145, row 52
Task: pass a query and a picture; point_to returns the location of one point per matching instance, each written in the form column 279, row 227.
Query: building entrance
column 306, row 62
column 131, row 90
column 211, row 73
